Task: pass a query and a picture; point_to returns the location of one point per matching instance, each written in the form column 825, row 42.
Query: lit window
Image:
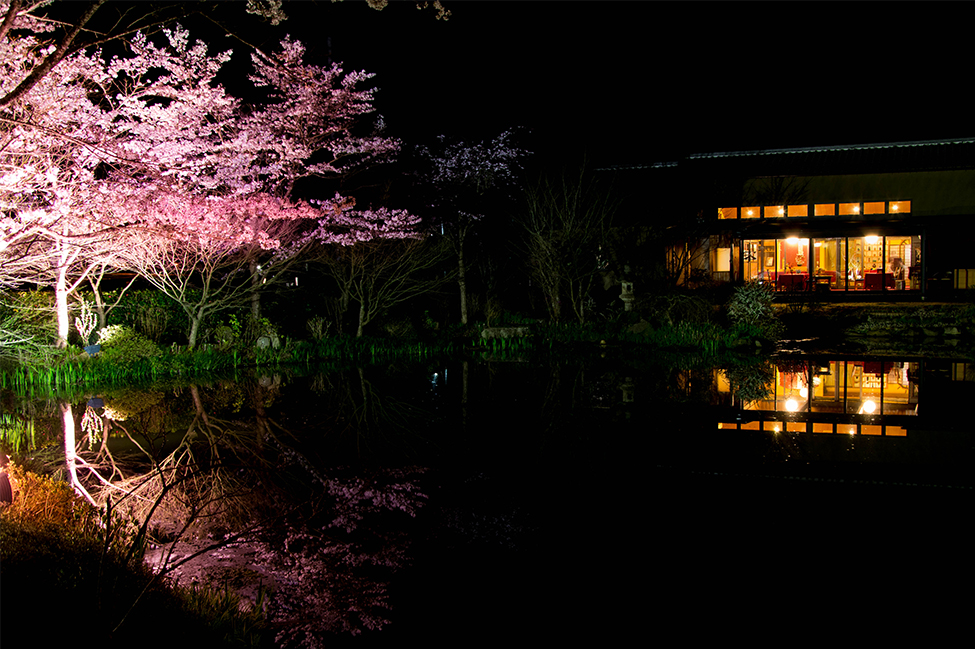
column 798, row 210
column 900, row 207
column 824, row 209
column 774, row 211
column 727, row 212
column 849, row 208
column 751, row 212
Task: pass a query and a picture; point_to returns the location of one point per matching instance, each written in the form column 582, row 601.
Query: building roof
column 885, row 157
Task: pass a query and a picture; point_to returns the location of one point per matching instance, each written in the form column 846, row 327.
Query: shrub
column 124, row 347
column 668, row 310
column 318, row 327
column 751, row 305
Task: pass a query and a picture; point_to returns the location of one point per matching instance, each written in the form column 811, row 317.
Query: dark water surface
column 602, row 501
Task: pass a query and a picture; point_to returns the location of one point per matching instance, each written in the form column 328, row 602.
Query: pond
column 572, row 500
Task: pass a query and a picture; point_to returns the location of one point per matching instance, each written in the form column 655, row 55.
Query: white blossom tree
column 461, row 177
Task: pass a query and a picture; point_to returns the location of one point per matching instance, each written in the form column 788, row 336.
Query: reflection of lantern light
column 791, row 404
column 804, row 392
column 871, row 239
column 792, row 241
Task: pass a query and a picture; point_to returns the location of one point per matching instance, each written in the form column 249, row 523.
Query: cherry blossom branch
column 52, row 59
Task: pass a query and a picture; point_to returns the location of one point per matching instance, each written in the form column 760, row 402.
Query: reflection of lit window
column 873, row 208
column 849, row 208
column 824, row 209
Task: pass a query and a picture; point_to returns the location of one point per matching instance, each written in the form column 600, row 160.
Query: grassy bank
column 138, row 360
column 67, row 567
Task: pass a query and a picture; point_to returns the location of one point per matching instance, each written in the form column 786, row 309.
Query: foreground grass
column 64, row 576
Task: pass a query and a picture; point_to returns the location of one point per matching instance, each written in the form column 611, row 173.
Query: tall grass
column 74, row 368
column 71, row 368
column 53, row 542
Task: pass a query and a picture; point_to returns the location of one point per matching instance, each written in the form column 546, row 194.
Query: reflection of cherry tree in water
column 360, row 417
column 243, row 491
column 332, row 561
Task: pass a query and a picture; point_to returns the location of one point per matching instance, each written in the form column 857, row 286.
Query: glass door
column 829, row 263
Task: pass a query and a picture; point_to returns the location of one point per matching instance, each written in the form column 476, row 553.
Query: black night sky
column 638, row 82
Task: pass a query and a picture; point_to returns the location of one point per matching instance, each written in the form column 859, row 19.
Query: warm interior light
column 871, row 239
column 791, row 405
column 893, row 207
column 867, row 408
column 792, row 240
column 856, row 208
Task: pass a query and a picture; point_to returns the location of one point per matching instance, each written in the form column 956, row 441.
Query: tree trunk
column 195, row 319
column 61, row 306
column 256, row 292
column 362, row 319
column 71, row 453
column 462, row 284
column 99, row 310
column 95, row 282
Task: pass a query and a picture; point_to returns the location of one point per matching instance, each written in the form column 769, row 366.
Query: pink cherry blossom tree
column 306, row 127
column 200, row 250
column 147, row 152
column 79, row 128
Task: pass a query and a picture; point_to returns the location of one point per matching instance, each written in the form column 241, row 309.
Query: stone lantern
column 627, row 296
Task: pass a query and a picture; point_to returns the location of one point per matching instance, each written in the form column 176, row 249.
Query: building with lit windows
column 883, row 220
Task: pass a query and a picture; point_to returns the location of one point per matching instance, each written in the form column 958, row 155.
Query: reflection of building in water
column 857, row 397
